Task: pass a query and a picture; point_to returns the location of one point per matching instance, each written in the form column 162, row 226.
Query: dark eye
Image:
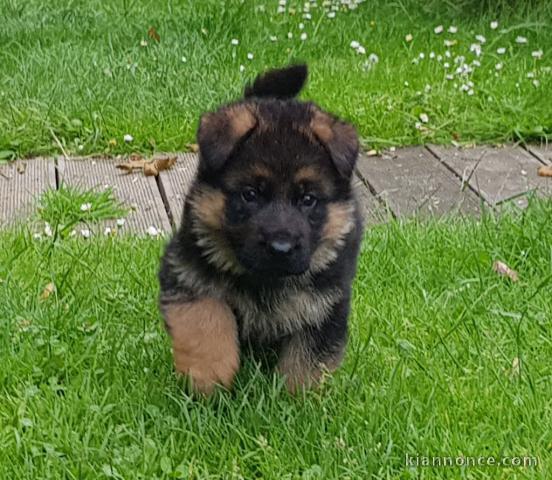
column 308, row 200
column 249, row 194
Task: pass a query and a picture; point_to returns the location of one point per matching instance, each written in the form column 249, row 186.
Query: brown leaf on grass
column 158, row 165
column 504, row 270
column 152, row 33
column 193, row 147
column 545, row 171
column 48, row 290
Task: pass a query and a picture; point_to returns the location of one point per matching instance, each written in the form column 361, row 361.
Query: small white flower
column 86, row 233
column 273, row 38
column 301, row 26
column 418, row 125
column 304, row 37
column 73, row 233
column 415, row 61
column 250, row 56
column 531, row 75
column 480, row 38
column 307, row 16
column 153, row 231
column 282, row 3
column 422, row 55
column 361, row 50
column 494, row 25
column 427, row 88
column 183, row 59
column 452, row 29
column 128, row 138
column 37, row 236
column 242, row 68
column 501, row 51
column 476, row 49
column 81, row 148
column 448, row 54
column 143, row 43
column 446, row 65
column 47, row 230
column 476, row 63
column 424, row 118
column 521, row 40
column 537, row 54
column 439, row 58
column 449, row 43
column 120, row 222
column 449, row 77
column 409, row 37
column 331, row 14
column 235, row 41
column 85, row 207
column 107, row 231
column 536, row 83
column 464, row 87
column 470, row 92
column 438, row 29
column 373, row 58
column 355, row 44
column 290, row 35
column 406, row 84
column 281, row 9
column 498, row 66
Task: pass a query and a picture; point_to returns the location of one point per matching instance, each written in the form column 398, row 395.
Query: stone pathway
column 431, row 180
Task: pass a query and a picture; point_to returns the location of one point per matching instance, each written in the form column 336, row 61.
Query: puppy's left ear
column 339, row 138
column 219, row 133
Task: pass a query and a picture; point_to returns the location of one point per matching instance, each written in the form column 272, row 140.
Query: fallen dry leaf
column 193, row 147
column 150, row 168
column 135, row 162
column 158, row 165
column 152, row 33
column 371, row 153
column 545, row 171
column 21, row 167
column 48, row 290
column 504, row 270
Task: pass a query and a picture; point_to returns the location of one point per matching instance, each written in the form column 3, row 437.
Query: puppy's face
column 281, row 199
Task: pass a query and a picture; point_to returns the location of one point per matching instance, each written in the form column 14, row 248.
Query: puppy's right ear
column 219, row 132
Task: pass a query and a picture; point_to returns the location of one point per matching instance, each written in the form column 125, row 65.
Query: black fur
column 284, row 83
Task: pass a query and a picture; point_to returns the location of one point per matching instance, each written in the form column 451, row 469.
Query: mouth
column 273, row 268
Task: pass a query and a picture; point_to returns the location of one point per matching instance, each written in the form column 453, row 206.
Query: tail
column 281, row 83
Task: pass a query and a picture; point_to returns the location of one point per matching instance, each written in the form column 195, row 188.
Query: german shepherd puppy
column 267, row 248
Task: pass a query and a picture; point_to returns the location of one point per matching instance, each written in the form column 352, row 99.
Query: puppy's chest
column 270, row 315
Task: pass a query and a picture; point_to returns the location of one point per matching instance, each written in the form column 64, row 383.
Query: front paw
column 205, row 343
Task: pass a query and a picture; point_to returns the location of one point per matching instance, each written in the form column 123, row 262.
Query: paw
column 205, row 342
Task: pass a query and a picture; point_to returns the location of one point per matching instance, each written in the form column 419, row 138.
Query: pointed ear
column 339, row 138
column 220, row 131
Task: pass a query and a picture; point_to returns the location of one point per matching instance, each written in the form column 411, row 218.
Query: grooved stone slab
column 497, row 174
column 135, row 190
column 19, row 191
column 372, row 211
column 543, row 152
column 176, row 182
column 413, row 181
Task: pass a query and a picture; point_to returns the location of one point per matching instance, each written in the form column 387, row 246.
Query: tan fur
column 321, row 125
column 314, row 175
column 239, row 178
column 208, row 206
column 205, row 342
column 300, row 369
column 339, row 222
column 230, row 124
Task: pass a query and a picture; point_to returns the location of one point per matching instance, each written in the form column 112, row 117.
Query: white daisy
column 537, row 54
column 494, row 25
column 501, row 51
column 521, row 40
column 452, row 29
column 128, row 138
column 438, row 29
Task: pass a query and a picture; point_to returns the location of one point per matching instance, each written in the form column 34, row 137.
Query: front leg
column 205, row 342
column 310, row 352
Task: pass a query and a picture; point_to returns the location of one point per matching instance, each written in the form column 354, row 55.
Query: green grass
column 87, row 387
column 74, row 73
column 65, row 208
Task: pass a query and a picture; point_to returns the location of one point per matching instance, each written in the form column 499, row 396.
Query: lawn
column 445, row 358
column 83, row 74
